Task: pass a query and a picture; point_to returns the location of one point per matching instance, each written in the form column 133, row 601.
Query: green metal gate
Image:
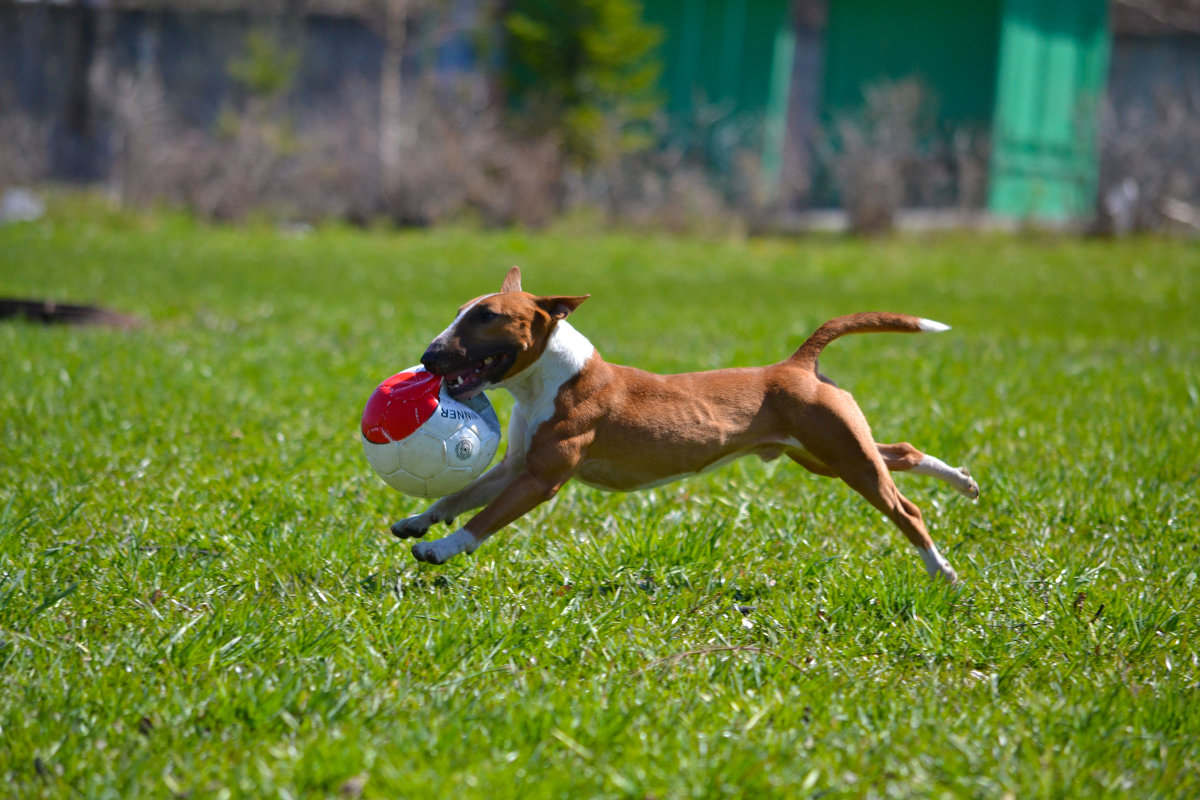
column 950, row 46
column 732, row 57
column 1053, row 63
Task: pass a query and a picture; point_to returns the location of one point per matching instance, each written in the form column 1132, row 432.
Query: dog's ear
column 560, row 307
column 512, row 281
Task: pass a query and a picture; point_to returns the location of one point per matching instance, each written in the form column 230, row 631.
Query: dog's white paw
column 937, row 566
column 968, row 487
column 413, row 527
column 429, row 553
column 958, row 477
column 439, row 551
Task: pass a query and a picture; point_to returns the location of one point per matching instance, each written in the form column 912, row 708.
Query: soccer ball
column 423, row 442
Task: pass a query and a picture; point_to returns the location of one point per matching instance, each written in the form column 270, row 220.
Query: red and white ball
column 423, row 442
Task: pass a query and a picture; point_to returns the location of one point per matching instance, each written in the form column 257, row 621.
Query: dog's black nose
column 431, row 358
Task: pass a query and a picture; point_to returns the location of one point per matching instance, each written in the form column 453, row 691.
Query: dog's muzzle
column 465, row 376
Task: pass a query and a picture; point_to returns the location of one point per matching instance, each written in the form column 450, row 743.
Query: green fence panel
column 728, row 60
column 949, row 45
column 1053, row 63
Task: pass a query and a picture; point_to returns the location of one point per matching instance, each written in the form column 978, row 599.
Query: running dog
column 619, row 428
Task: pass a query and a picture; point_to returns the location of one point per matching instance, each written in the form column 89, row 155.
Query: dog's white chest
column 536, row 389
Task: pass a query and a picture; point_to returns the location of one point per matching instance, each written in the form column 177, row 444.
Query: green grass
column 199, row 596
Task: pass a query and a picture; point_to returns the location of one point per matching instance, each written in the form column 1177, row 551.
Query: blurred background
column 764, row 114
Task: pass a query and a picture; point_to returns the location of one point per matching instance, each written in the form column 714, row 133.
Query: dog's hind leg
column 874, row 483
column 840, row 442
column 903, row 457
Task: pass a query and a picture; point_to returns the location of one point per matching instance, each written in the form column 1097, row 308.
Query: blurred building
column 1017, row 91
column 1032, row 80
column 1031, row 72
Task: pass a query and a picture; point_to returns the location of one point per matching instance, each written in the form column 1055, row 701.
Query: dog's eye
column 486, row 316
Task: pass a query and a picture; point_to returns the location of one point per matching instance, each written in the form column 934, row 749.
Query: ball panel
column 483, row 407
column 372, row 416
column 450, row 481
column 451, row 416
column 489, row 447
column 423, row 454
column 404, row 481
column 383, row 457
column 400, row 405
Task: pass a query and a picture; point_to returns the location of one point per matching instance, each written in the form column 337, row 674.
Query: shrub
column 1148, row 179
column 585, row 71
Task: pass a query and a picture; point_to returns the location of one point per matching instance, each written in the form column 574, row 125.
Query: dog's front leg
column 521, row 496
column 480, row 492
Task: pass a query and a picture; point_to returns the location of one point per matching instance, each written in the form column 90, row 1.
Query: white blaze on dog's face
column 495, row 337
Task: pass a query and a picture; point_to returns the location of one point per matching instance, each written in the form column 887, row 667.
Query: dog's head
column 495, row 337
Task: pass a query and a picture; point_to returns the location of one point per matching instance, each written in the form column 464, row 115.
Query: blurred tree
column 391, row 126
column 586, row 70
column 267, row 68
column 390, row 19
column 87, row 28
column 263, row 72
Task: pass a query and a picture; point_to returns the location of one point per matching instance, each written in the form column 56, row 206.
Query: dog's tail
column 866, row 322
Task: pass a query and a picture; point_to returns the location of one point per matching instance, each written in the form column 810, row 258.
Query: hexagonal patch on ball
column 403, row 481
column 423, row 454
column 450, row 481
column 384, row 458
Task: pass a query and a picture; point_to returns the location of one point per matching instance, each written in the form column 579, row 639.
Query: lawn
column 199, row 596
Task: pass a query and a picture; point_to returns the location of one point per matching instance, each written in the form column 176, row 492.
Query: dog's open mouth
column 466, row 383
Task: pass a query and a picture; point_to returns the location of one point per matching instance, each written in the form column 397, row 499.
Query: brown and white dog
column 619, row 428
